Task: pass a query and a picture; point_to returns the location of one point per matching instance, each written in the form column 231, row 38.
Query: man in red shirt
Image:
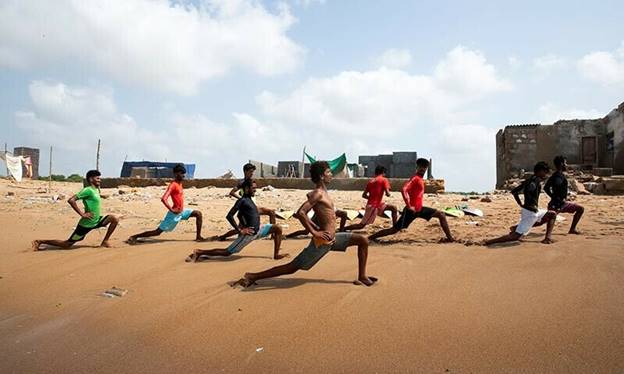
column 413, row 192
column 175, row 212
column 374, row 192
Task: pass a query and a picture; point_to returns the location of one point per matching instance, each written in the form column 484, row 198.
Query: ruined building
column 590, row 144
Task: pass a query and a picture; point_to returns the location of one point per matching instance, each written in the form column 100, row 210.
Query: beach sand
column 438, row 308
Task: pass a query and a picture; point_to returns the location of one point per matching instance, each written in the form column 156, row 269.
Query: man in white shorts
column 530, row 213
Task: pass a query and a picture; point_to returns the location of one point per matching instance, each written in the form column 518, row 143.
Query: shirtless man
column 324, row 236
column 91, row 218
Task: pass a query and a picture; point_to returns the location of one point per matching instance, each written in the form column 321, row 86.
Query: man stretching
column 374, row 192
column 324, row 236
column 91, row 218
column 557, row 188
column 413, row 192
column 175, row 212
column 530, row 213
column 248, row 227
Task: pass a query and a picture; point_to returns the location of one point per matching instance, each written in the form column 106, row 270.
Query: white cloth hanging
column 14, row 164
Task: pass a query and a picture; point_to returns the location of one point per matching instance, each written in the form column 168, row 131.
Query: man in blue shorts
column 248, row 227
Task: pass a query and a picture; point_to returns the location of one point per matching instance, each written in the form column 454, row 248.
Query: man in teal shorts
column 91, row 217
column 175, row 212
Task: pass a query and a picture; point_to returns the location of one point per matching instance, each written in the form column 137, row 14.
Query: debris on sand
column 115, row 292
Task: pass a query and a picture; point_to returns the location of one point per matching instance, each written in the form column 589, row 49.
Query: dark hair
column 246, row 184
column 249, row 166
column 422, row 162
column 542, row 165
column 179, row 168
column 93, row 173
column 559, row 160
column 380, row 170
column 317, row 169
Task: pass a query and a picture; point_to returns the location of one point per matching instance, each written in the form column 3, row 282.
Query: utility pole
column 97, row 160
column 302, row 163
column 5, row 152
column 50, row 173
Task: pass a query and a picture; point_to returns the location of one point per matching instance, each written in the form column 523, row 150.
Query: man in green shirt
column 90, row 218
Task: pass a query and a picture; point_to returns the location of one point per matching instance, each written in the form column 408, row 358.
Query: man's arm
column 73, row 201
column 516, row 192
column 405, row 195
column 302, row 214
column 234, row 192
column 165, row 198
column 387, row 188
column 230, row 216
column 549, row 186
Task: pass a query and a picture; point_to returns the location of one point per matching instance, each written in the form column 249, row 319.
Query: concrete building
column 264, row 170
column 289, row 169
column 33, row 153
column 398, row 164
column 590, row 144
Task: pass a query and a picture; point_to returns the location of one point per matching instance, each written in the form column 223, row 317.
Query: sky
column 219, row 82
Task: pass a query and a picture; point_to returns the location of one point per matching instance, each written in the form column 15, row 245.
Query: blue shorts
column 312, row 254
column 243, row 240
column 171, row 220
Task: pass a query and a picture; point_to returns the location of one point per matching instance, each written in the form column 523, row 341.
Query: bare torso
column 324, row 212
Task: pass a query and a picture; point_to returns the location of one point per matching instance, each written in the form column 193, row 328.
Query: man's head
column 249, row 187
column 541, row 169
column 320, row 172
column 179, row 171
column 561, row 163
column 421, row 166
column 380, row 170
column 93, row 177
column 248, row 170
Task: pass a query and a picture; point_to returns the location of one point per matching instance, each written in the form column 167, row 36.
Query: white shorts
column 528, row 219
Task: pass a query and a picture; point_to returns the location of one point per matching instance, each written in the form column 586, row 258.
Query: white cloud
column 606, row 68
column 154, row 43
column 550, row 113
column 514, row 63
column 307, row 3
column 395, row 59
column 548, row 63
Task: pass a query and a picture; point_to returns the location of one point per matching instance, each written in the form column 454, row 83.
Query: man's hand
column 87, row 215
column 325, row 235
column 412, row 209
column 247, row 231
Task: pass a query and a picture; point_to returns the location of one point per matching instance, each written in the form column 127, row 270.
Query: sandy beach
column 438, row 308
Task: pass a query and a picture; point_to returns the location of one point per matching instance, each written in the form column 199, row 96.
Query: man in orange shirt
column 374, row 192
column 176, row 212
column 413, row 192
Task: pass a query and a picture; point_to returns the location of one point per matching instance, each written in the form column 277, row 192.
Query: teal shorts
column 243, row 240
column 171, row 220
column 312, row 254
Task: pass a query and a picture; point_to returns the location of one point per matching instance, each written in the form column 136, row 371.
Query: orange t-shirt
column 376, row 188
column 177, row 196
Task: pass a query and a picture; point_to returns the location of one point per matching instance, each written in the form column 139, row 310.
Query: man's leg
column 198, row 224
column 385, row 232
column 64, row 244
column 343, row 219
column 362, row 244
column 356, row 226
column 111, row 222
column 551, row 218
column 297, row 233
column 395, row 213
column 194, row 257
column 268, row 212
column 251, row 278
column 511, row 237
column 578, row 213
column 276, row 232
column 444, row 224
column 146, row 234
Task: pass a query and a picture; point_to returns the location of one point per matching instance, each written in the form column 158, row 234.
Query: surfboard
column 473, row 212
column 453, row 212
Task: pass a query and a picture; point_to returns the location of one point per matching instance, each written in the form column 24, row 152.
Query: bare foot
column 193, row 257
column 221, row 238
column 106, row 245
column 131, row 240
column 244, row 282
column 199, row 238
column 547, row 241
column 446, row 240
column 279, row 257
column 35, row 245
column 366, row 281
column 575, row 232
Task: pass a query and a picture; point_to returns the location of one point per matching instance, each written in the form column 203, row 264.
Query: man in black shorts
column 413, row 192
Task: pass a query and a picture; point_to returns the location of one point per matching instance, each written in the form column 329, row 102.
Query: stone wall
column 348, row 184
column 264, row 170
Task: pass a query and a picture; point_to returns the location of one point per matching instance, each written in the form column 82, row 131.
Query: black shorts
column 80, row 232
column 408, row 216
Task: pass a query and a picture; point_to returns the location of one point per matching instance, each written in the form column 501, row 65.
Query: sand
column 438, row 308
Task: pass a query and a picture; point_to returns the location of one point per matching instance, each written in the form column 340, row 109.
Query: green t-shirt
column 90, row 197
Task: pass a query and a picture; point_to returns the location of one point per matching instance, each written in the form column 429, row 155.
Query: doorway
column 588, row 150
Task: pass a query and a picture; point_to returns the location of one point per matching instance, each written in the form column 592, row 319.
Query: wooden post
column 7, row 168
column 302, row 163
column 97, row 159
column 50, row 173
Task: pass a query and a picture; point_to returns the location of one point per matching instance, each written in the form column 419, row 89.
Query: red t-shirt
column 415, row 189
column 376, row 188
column 177, row 195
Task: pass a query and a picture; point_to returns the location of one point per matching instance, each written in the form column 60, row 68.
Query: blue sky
column 219, row 82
